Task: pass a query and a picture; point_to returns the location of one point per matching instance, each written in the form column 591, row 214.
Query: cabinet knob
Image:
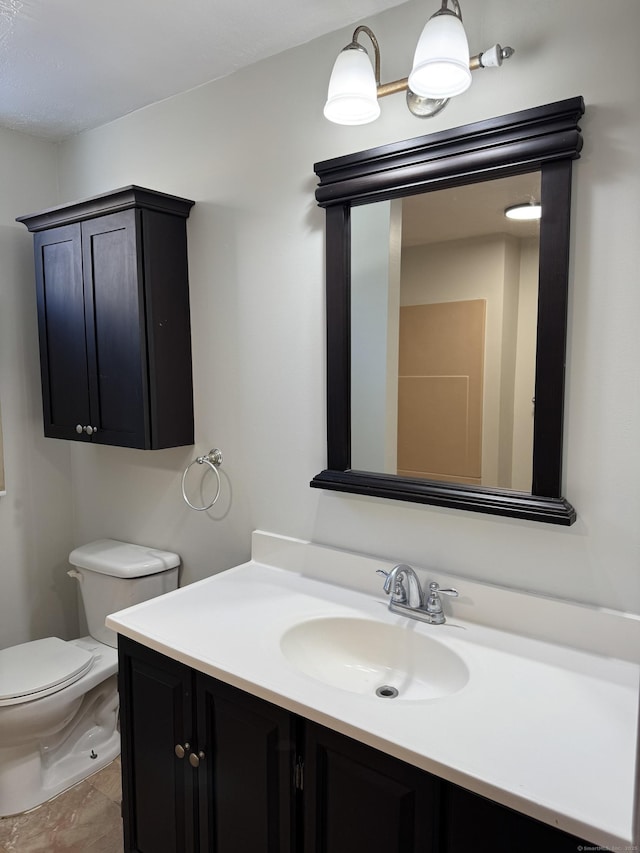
column 79, row 428
column 89, row 430
column 194, row 760
column 180, row 750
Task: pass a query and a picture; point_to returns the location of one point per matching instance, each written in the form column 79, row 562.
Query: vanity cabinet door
column 474, row 823
column 156, row 698
column 245, row 779
column 357, row 798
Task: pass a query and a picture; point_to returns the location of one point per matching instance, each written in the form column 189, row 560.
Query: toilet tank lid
column 122, row 559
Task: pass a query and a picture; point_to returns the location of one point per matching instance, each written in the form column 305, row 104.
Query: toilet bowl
column 59, row 699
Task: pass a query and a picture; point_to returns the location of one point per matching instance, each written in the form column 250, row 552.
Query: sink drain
column 386, row 692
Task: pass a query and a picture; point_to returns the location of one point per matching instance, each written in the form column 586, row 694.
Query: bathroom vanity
column 250, row 719
column 269, row 779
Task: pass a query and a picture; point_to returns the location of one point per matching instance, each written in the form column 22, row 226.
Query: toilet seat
column 40, row 667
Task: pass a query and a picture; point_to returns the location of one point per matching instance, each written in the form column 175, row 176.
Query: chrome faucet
column 394, row 581
column 409, row 600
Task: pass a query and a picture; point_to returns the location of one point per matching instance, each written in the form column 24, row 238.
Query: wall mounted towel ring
column 213, row 459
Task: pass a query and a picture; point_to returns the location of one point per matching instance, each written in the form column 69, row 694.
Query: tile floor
column 84, row 819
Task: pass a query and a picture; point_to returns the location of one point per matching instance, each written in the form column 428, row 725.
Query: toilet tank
column 114, row 575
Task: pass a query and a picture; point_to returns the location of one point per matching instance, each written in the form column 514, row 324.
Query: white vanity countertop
column 544, row 727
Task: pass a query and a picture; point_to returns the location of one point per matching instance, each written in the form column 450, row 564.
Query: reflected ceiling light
column 441, row 69
column 524, row 212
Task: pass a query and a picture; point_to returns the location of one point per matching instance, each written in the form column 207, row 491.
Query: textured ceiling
column 69, row 65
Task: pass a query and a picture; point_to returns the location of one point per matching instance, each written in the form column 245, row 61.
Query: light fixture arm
column 383, row 88
column 376, row 48
column 445, row 9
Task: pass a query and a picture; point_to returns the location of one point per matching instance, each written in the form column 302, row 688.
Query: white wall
column 243, row 148
column 37, row 599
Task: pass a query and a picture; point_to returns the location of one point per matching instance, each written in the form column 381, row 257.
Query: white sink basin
column 374, row 658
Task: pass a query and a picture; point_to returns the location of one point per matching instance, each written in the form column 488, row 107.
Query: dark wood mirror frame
column 545, row 138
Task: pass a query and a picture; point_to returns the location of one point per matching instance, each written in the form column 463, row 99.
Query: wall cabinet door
column 357, row 798
column 114, row 322
column 116, row 330
column 62, row 331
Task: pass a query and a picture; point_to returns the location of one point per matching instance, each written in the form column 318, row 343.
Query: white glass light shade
column 352, row 97
column 441, row 61
column 524, row 212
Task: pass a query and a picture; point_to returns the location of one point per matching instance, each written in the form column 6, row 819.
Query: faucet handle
column 434, row 602
column 399, row 592
column 434, row 589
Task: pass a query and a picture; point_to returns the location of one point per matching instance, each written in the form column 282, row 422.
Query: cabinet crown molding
column 114, row 201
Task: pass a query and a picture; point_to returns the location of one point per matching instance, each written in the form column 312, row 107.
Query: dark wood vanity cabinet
column 208, row 768
column 356, row 798
column 473, row 823
column 156, row 702
column 205, row 767
column 113, row 319
column 245, row 787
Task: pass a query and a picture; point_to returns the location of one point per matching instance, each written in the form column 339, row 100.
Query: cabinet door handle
column 180, row 750
column 88, row 429
column 194, row 760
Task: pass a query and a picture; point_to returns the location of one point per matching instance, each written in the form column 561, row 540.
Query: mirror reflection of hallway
column 440, row 375
column 461, row 413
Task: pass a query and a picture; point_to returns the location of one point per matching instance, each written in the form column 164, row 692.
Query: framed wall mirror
column 446, row 321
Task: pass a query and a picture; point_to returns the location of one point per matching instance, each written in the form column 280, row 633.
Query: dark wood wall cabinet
column 113, row 319
column 208, row 767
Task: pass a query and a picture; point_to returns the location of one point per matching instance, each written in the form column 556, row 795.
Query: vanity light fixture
column 441, row 69
column 524, row 212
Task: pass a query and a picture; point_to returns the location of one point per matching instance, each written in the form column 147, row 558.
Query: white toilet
column 59, row 699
